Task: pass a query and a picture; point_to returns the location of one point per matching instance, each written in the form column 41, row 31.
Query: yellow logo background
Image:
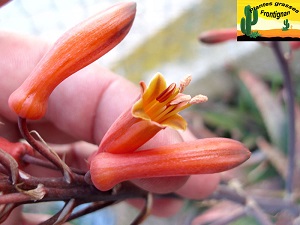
column 271, row 16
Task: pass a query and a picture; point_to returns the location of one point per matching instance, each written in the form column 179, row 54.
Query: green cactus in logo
column 287, row 25
column 254, row 34
column 247, row 22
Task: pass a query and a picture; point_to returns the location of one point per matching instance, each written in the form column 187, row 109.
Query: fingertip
column 92, row 99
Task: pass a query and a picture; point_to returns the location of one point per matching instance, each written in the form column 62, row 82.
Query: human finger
column 84, row 105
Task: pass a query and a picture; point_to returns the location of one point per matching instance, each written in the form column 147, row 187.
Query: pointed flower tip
column 130, row 5
column 203, row 156
column 78, row 47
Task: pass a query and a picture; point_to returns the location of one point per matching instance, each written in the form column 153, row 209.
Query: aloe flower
column 77, row 48
column 117, row 159
column 203, row 156
column 156, row 109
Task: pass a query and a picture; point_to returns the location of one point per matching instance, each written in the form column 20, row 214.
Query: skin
column 82, row 108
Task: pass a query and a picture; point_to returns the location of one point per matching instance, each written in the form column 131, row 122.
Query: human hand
column 82, row 108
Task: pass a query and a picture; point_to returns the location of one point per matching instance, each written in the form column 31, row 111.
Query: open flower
column 156, row 109
column 203, row 156
column 77, row 48
column 117, row 159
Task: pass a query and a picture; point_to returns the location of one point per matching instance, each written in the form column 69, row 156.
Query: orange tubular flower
column 203, row 156
column 157, row 109
column 77, row 48
column 218, row 36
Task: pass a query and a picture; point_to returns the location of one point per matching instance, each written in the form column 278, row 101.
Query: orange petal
column 16, row 150
column 138, row 110
column 77, row 48
column 156, row 86
column 203, row 156
column 128, row 133
column 176, row 122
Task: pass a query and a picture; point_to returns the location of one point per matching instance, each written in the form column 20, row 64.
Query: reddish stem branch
column 61, row 216
column 14, row 198
column 6, row 210
column 69, row 176
column 10, row 164
column 145, row 211
column 40, row 162
column 91, row 208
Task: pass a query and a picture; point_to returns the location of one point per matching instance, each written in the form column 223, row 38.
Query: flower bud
column 77, row 48
column 218, row 36
column 203, row 156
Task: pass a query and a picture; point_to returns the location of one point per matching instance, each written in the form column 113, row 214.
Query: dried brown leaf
column 35, row 194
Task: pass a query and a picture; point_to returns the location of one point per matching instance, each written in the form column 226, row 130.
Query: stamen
column 198, row 99
column 166, row 93
column 143, row 86
column 184, row 83
column 171, row 110
column 157, row 109
column 166, row 112
column 160, row 105
column 180, row 98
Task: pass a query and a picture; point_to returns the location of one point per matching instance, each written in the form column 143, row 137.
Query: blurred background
column 164, row 38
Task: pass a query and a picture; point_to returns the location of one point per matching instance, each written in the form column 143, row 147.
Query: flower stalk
column 77, row 48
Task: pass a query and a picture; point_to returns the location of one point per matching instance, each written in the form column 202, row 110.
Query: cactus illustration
column 287, row 25
column 255, row 34
column 247, row 22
